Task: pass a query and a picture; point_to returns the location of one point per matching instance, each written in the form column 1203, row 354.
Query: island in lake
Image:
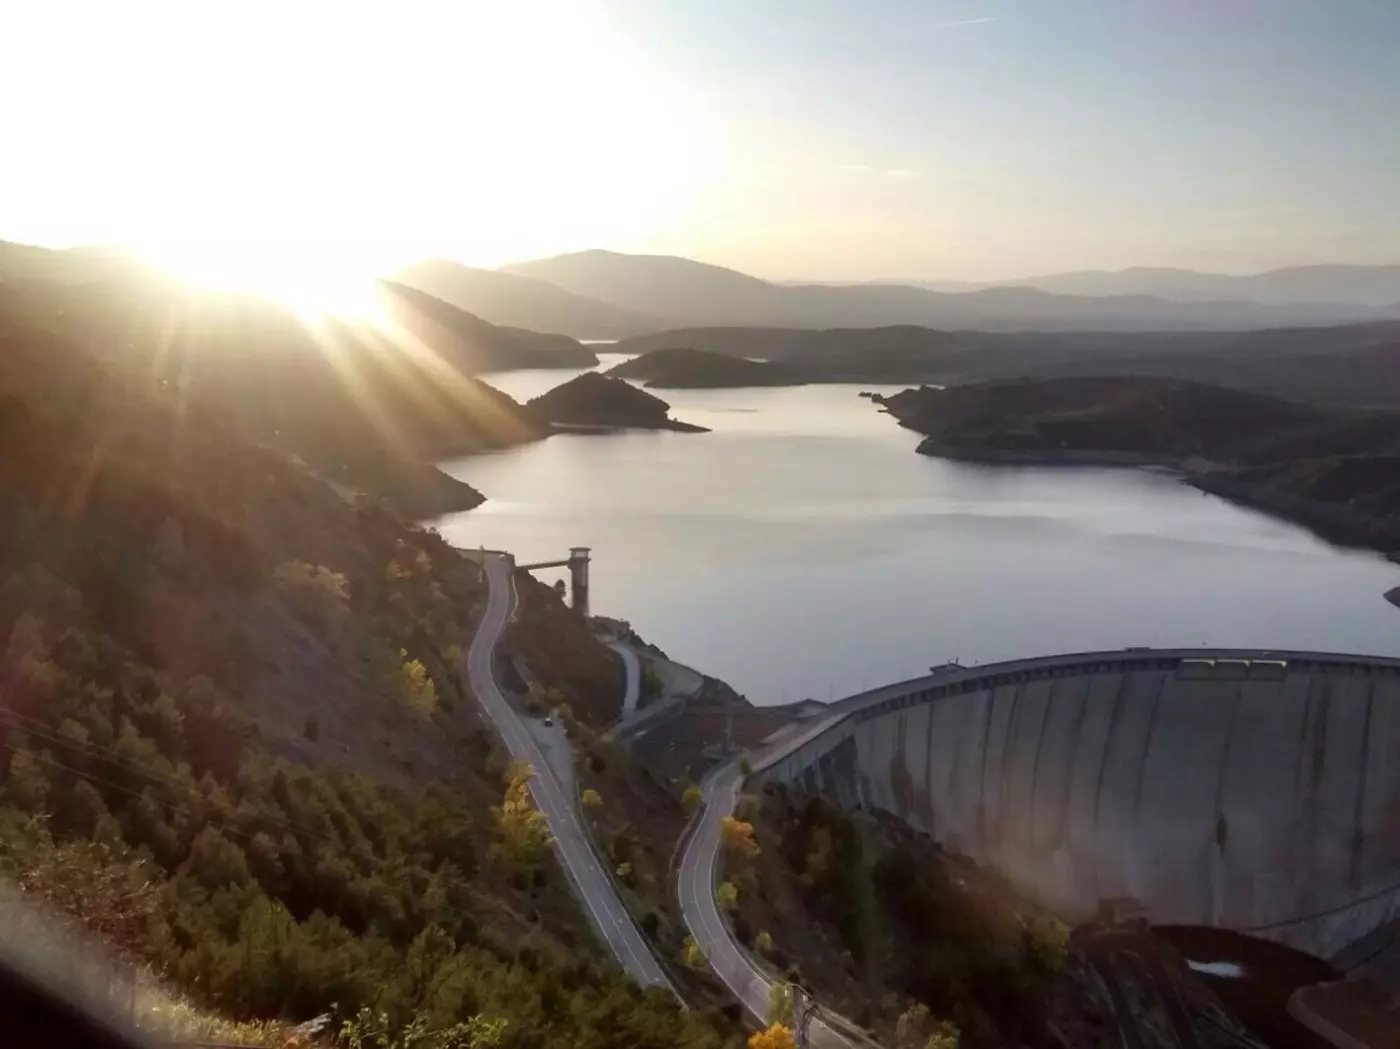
column 680, row 367
column 599, row 402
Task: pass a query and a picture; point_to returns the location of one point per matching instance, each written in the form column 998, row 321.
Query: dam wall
column 1255, row 791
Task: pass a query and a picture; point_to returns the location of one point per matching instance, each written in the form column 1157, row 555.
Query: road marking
column 576, row 855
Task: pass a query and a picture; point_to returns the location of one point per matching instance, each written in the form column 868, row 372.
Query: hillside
column 236, row 745
column 902, row 938
column 1094, row 418
column 682, row 368
column 1333, row 470
column 521, row 301
column 472, row 345
column 598, row 402
column 368, row 405
column 681, row 292
column 1357, row 364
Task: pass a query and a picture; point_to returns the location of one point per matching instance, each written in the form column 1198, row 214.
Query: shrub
column 314, row 592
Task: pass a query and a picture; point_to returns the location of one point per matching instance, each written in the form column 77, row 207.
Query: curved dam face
column 1256, row 791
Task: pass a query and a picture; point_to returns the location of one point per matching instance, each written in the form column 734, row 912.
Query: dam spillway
column 1250, row 790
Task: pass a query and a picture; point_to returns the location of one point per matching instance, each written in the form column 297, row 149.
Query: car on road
column 549, row 722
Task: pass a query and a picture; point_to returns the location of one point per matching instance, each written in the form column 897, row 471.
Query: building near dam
column 1255, row 791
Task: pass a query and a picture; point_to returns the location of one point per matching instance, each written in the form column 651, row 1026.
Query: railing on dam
column 1250, row 789
column 1219, row 663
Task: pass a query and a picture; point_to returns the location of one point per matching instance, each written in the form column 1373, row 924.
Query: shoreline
column 1334, row 523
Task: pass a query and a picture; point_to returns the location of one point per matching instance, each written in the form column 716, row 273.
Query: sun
column 302, row 152
column 312, row 281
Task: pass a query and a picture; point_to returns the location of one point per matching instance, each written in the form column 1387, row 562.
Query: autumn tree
column 777, row 1036
column 692, row 798
column 912, row 1029
column 522, row 833
column 691, row 954
column 738, row 838
column 763, row 943
column 314, row 592
column 592, row 799
column 727, row 895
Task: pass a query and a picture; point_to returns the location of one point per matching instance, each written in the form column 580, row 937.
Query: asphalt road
column 634, row 676
column 696, row 887
column 571, row 841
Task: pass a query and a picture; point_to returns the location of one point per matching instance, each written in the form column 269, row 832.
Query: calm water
column 803, row 549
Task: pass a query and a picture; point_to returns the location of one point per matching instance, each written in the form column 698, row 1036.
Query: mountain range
column 608, row 295
column 1377, row 286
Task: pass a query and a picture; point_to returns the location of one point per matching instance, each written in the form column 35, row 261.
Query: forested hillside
column 368, row 402
column 235, row 741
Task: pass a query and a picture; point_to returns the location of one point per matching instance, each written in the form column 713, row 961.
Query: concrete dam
column 1254, row 791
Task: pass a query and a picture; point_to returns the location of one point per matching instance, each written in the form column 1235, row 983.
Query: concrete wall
column 1248, row 790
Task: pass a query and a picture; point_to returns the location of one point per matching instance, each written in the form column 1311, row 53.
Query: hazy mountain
column 1295, row 285
column 522, row 302
column 1356, row 364
column 473, row 345
column 692, row 293
column 366, row 407
column 659, row 284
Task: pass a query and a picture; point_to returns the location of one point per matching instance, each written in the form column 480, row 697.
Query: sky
column 793, row 139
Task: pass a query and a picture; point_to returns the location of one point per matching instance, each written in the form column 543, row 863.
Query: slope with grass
column 236, row 746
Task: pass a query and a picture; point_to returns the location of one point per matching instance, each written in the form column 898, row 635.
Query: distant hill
column 664, row 285
column 474, row 345
column 523, row 302
column 1335, row 470
column 1376, row 286
column 688, row 293
column 1355, row 364
column 680, row 368
column 1095, row 418
column 596, row 401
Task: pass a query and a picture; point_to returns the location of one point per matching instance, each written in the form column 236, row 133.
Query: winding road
column 571, row 841
column 633, row 667
column 696, row 888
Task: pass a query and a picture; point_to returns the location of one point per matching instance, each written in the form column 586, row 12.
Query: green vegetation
column 898, row 937
column 316, row 593
column 196, row 770
column 651, row 684
column 691, row 954
column 782, row 1004
column 727, row 895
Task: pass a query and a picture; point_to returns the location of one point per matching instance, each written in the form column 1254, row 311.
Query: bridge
column 1255, row 791
column 577, row 564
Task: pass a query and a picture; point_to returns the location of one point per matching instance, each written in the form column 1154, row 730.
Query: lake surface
column 804, row 549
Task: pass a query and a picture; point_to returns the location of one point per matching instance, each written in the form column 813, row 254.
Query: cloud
column 964, row 21
column 855, row 167
column 902, row 173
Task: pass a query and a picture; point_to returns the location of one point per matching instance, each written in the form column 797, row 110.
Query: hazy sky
column 790, row 138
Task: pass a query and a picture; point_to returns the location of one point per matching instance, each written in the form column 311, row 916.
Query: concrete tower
column 578, row 578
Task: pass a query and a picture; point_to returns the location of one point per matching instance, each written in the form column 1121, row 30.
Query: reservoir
column 802, row 549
